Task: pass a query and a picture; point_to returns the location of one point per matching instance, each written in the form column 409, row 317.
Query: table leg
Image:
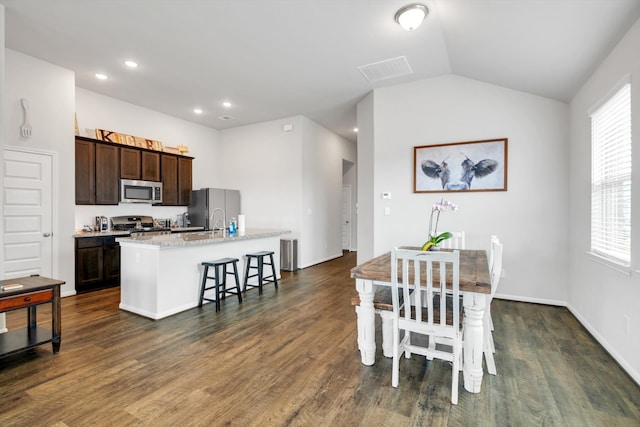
column 474, row 306
column 366, row 322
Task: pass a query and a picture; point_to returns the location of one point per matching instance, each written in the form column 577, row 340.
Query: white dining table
column 475, row 286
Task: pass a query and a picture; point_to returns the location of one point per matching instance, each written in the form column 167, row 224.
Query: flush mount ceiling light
column 101, row 76
column 411, row 16
column 131, row 64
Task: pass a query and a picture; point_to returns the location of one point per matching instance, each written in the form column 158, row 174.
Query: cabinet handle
column 27, row 299
column 46, row 234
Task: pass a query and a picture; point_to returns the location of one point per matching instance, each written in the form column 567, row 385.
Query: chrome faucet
column 214, row 225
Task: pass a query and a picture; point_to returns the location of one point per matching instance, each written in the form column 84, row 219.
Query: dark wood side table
column 35, row 290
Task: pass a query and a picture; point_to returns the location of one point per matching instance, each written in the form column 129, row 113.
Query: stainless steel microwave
column 136, row 191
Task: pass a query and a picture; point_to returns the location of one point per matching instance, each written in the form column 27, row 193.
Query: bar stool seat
column 220, row 280
column 262, row 279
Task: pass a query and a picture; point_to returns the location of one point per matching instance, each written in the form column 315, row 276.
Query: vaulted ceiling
column 278, row 58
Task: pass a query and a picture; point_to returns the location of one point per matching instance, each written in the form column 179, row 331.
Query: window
column 611, row 178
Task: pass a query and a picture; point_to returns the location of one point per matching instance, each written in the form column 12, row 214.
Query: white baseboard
column 603, row 342
column 531, row 300
column 329, row 258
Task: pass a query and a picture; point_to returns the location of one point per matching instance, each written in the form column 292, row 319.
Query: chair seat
column 220, row 261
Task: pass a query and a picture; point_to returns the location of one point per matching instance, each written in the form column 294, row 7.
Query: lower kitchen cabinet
column 97, row 263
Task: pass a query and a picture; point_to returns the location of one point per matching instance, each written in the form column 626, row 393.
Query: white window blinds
column 611, row 178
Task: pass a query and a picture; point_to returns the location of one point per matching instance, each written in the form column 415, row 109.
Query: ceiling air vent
column 387, row 69
column 225, row 117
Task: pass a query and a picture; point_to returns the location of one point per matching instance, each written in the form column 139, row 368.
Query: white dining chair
column 495, row 270
column 457, row 241
column 424, row 305
column 493, row 239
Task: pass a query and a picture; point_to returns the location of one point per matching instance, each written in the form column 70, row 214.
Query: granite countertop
column 81, row 233
column 200, row 237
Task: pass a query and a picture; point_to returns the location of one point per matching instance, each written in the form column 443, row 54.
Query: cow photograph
column 461, row 166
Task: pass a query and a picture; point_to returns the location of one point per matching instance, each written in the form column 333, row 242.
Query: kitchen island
column 161, row 275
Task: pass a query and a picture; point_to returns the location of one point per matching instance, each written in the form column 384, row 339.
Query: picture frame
column 461, row 166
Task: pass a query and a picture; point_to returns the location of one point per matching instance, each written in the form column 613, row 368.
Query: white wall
column 50, row 90
column 598, row 295
column 531, row 218
column 290, row 180
column 323, row 154
column 98, row 111
column 365, row 193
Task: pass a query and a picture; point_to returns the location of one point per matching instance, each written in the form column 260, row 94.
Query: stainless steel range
column 138, row 225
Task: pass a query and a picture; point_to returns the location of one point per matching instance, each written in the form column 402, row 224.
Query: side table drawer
column 25, row 300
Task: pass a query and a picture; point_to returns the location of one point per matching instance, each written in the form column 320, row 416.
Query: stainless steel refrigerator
column 204, row 202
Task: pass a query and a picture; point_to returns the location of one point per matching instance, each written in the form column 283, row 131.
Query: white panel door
column 346, row 217
column 27, row 214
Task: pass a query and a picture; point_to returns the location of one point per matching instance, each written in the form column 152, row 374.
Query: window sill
column 614, row 265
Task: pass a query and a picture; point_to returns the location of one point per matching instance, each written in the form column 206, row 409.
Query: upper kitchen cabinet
column 137, row 164
column 176, row 180
column 184, row 181
column 85, row 172
column 97, row 173
column 169, row 167
column 107, row 174
column 100, row 166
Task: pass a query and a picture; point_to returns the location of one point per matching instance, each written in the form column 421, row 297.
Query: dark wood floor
column 290, row 358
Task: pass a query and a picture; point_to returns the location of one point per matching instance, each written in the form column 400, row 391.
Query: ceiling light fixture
column 411, row 16
column 131, row 64
column 197, row 110
column 226, row 104
column 100, row 76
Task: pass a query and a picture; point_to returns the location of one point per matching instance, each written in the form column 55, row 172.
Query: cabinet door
column 184, row 181
column 150, row 166
column 85, row 173
column 107, row 174
column 169, row 166
column 112, row 264
column 89, row 267
column 130, row 163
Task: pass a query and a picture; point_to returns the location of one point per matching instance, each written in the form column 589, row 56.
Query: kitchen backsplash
column 85, row 214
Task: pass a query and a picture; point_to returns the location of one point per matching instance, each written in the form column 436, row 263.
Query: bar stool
column 262, row 279
column 220, row 280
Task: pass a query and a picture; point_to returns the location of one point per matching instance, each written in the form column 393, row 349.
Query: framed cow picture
column 461, row 166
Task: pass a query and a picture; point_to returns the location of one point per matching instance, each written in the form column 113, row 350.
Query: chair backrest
column 426, row 280
column 493, row 239
column 496, row 267
column 455, row 242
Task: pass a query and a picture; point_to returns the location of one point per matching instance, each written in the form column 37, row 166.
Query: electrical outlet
column 387, row 211
column 503, row 273
column 627, row 327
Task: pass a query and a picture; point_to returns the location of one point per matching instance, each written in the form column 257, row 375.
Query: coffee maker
column 102, row 223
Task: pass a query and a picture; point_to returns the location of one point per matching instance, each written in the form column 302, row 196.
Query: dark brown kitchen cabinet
column 100, row 166
column 184, row 181
column 150, row 166
column 85, row 172
column 137, row 164
column 130, row 165
column 107, row 174
column 169, row 167
column 97, row 263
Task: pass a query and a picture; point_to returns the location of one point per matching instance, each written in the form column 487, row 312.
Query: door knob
column 46, row 234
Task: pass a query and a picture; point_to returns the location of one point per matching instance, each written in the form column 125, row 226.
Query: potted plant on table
column 434, row 237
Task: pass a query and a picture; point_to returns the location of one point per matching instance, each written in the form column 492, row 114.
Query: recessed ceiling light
column 197, row 110
column 355, row 130
column 226, row 104
column 131, row 64
column 101, row 76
